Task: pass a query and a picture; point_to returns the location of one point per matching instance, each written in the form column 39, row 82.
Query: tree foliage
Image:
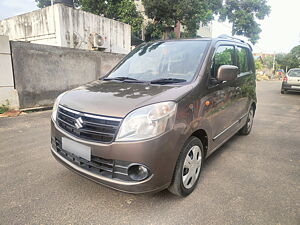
column 281, row 61
column 242, row 14
column 45, row 3
column 290, row 60
column 268, row 61
column 190, row 13
column 258, row 64
column 294, row 57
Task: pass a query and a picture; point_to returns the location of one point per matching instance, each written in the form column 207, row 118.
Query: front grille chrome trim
column 97, row 132
column 93, row 128
column 91, row 115
column 66, row 123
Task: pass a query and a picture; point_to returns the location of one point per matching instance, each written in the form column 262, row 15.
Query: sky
column 281, row 29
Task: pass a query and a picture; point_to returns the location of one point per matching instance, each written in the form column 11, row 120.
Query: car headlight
column 148, row 122
column 55, row 106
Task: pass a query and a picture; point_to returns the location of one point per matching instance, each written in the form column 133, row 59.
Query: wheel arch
column 202, row 135
column 254, row 106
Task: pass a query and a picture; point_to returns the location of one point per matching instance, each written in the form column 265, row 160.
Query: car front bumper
column 159, row 155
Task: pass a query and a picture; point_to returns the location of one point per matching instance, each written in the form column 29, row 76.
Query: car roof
column 295, row 69
column 214, row 40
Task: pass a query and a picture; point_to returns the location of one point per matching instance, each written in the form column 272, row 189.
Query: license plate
column 296, row 87
column 76, row 148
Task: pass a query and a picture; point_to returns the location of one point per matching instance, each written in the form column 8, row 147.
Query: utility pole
column 274, row 58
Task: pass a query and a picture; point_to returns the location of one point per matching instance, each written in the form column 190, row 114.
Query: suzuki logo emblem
column 78, row 123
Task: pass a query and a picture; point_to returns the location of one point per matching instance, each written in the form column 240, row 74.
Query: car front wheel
column 188, row 168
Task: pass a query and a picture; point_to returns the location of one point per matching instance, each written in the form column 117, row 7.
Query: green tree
column 43, row 3
column 268, row 61
column 258, row 64
column 296, row 52
column 199, row 11
column 294, row 57
column 242, row 14
column 154, row 31
column 166, row 13
column 290, row 60
column 281, row 61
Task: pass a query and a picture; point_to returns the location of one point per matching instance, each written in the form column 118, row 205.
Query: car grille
column 88, row 126
column 114, row 169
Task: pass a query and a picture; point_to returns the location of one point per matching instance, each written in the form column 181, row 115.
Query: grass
column 4, row 107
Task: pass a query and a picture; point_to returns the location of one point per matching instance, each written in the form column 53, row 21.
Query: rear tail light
column 285, row 79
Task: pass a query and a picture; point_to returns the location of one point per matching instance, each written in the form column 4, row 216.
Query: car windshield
column 294, row 73
column 171, row 61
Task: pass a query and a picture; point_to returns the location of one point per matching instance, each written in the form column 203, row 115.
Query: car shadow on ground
column 209, row 162
column 292, row 93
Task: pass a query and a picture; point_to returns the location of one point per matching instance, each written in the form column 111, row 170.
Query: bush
column 4, row 107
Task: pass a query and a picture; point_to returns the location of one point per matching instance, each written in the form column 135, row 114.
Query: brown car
column 149, row 124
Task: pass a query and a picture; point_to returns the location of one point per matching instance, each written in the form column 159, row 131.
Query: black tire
column 246, row 129
column 177, row 186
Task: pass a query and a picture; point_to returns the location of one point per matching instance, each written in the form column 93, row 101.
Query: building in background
column 140, row 8
column 60, row 25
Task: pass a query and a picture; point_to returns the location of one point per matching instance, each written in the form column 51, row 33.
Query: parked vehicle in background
column 291, row 81
column 150, row 123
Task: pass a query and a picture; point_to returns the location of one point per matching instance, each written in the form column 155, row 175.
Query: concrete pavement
column 252, row 179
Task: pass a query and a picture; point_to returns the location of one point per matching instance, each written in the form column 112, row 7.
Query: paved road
column 250, row 180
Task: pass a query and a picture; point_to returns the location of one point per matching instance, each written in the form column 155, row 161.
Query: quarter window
column 243, row 59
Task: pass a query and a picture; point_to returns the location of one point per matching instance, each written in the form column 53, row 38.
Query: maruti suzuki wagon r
column 149, row 124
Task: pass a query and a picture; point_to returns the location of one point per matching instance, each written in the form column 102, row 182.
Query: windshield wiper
column 119, row 78
column 167, row 81
column 125, row 79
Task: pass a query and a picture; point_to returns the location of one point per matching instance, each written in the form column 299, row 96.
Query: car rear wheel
column 249, row 123
column 188, row 168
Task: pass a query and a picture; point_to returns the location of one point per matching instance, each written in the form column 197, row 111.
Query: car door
column 222, row 96
column 245, row 81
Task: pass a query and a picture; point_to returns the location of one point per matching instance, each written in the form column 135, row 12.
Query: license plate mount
column 76, row 148
column 295, row 87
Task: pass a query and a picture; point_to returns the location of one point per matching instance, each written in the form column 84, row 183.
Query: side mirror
column 227, row 72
